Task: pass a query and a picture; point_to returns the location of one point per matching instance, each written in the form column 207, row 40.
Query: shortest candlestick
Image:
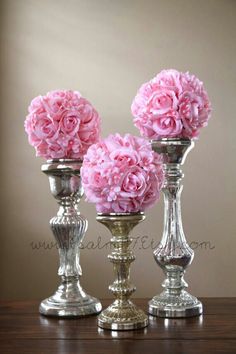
column 122, row 314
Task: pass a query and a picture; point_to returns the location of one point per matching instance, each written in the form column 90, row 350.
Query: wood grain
column 117, row 347
column 23, row 330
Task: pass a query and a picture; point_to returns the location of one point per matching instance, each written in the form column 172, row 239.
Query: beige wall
column 106, row 49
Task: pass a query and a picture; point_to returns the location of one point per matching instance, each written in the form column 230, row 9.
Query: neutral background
column 106, row 50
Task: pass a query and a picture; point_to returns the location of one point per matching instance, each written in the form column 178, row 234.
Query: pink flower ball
column 122, row 174
column 62, row 124
column 172, row 104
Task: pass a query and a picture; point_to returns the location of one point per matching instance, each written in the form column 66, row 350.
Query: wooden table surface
column 24, row 331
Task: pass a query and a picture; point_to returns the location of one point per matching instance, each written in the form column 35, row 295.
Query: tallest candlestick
column 173, row 253
column 170, row 111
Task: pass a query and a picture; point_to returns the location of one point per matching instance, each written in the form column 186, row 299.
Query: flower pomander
column 172, row 104
column 62, row 124
column 122, row 174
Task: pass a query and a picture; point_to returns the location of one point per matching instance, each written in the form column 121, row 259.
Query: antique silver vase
column 173, row 253
column 122, row 314
column 68, row 227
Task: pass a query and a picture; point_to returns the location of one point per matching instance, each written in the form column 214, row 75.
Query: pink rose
column 155, row 183
column 88, row 137
column 125, row 206
column 125, row 156
column 55, row 151
column 76, row 148
column 36, row 105
column 119, row 173
column 162, row 101
column 87, row 112
column 42, row 149
column 139, row 104
column 145, row 126
column 99, row 182
column 168, row 79
column 194, row 111
column 134, row 182
column 96, row 154
column 69, row 123
column 190, row 83
column 168, row 124
column 40, row 127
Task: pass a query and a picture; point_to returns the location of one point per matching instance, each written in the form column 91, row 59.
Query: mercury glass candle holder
column 68, row 227
column 173, row 253
column 122, row 314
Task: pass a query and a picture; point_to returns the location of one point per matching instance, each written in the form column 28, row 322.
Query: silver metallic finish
column 68, row 227
column 122, row 314
column 173, row 253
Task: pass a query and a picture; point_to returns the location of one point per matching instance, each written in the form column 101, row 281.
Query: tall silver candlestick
column 68, row 227
column 173, row 253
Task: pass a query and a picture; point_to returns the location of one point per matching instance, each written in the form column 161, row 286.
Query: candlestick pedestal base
column 58, row 305
column 170, row 306
column 122, row 315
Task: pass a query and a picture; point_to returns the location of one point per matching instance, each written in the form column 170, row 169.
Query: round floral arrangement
column 172, row 104
column 122, row 174
column 62, row 124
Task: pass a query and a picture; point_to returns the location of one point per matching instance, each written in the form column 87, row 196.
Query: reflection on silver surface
column 173, row 253
column 68, row 227
column 120, row 334
column 183, row 322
